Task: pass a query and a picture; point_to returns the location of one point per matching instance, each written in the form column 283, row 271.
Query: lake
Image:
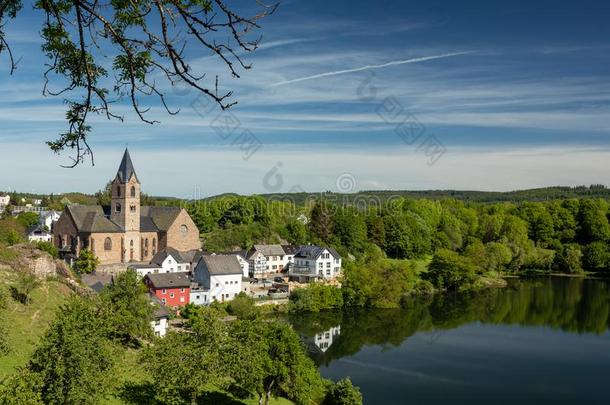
column 544, row 340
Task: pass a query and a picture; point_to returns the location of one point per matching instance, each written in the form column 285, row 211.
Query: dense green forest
column 567, row 235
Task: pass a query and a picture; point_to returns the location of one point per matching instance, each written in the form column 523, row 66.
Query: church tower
column 125, row 207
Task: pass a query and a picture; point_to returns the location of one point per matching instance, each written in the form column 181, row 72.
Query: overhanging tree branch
column 147, row 40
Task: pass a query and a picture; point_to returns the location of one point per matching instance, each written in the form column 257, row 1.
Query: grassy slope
column 29, row 323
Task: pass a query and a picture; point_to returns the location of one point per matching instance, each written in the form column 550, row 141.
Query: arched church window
column 118, row 207
column 146, row 242
column 131, row 243
column 133, row 191
column 184, row 229
column 118, row 191
column 108, row 244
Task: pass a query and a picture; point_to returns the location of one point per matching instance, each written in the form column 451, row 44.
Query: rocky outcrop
column 38, row 262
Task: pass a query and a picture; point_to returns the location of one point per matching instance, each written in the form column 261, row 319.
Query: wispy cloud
column 369, row 67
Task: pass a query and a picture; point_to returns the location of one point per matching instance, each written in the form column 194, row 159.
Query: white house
column 221, row 275
column 39, row 233
column 244, row 264
column 171, row 260
column 290, row 251
column 145, row 268
column 257, row 264
column 160, row 322
column 314, row 262
column 48, row 219
column 168, row 260
column 199, row 294
column 274, row 259
column 4, row 201
column 242, row 258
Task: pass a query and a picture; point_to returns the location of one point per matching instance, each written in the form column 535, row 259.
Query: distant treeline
column 535, row 194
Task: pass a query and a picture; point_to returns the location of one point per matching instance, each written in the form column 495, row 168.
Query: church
column 125, row 231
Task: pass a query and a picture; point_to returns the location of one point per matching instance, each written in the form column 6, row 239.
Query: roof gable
column 270, row 250
column 220, row 265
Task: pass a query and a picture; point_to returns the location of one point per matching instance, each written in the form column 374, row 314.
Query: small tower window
column 118, row 191
column 133, row 191
column 132, row 208
column 117, row 207
column 108, row 244
column 184, row 229
column 131, row 243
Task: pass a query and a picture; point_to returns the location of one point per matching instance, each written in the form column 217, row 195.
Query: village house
column 168, row 260
column 242, row 258
column 290, row 251
column 48, row 219
column 172, row 289
column 200, row 295
column 39, row 233
column 315, row 263
column 126, row 231
column 220, row 275
column 5, row 201
column 160, row 322
column 257, row 264
column 266, row 260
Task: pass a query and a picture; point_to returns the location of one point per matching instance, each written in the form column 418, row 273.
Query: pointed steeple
column 126, row 168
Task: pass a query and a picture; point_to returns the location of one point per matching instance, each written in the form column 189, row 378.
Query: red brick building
column 172, row 289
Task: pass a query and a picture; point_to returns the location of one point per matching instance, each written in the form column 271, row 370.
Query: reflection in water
column 324, row 339
column 568, row 304
column 538, row 341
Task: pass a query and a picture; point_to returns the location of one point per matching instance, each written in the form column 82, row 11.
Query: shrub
column 316, row 297
column 448, row 270
column 242, row 307
column 343, row 392
column 49, row 248
column 22, row 290
column 86, row 262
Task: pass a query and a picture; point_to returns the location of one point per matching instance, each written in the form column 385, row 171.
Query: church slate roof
column 126, row 168
column 163, row 217
column 93, row 219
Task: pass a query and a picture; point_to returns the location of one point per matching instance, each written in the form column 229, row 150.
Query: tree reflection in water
column 570, row 304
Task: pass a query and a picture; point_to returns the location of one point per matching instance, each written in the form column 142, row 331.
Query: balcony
column 301, row 270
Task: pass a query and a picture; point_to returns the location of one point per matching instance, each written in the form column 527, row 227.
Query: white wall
column 225, row 287
column 41, row 237
column 144, row 271
column 245, row 266
column 170, row 265
column 159, row 327
column 199, row 297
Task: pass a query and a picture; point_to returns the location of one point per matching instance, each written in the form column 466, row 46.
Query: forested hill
column 535, row 194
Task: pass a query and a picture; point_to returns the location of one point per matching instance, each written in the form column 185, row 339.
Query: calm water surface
column 538, row 341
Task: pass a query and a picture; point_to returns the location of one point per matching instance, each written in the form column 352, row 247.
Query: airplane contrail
column 368, row 67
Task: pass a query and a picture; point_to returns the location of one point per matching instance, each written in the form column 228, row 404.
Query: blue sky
column 517, row 93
